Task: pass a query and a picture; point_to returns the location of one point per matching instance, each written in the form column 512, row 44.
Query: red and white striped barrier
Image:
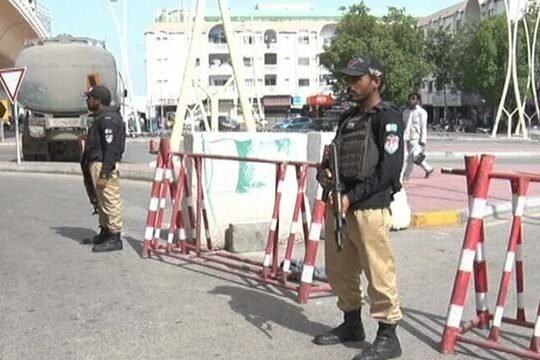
column 162, row 176
column 181, row 246
column 478, row 177
column 299, row 206
column 466, row 264
column 472, row 164
column 306, row 282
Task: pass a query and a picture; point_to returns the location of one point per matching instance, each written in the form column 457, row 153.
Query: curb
column 436, row 218
column 457, row 217
column 453, row 155
column 71, row 169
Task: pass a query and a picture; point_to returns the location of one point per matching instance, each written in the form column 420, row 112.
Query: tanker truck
column 59, row 71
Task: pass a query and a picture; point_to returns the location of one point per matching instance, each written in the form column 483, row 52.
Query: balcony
column 225, row 69
column 217, row 48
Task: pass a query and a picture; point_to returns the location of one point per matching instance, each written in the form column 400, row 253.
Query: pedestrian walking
column 415, row 135
column 370, row 146
column 104, row 148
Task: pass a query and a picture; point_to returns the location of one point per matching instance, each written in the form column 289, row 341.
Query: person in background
column 415, row 136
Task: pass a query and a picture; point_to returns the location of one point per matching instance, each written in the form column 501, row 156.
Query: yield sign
column 11, row 79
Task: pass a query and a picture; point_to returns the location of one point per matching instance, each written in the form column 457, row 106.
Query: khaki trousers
column 109, row 202
column 366, row 249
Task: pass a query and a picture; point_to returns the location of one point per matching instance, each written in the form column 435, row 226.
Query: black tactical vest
column 358, row 152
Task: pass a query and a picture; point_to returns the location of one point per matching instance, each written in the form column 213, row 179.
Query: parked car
column 225, row 123
column 298, row 123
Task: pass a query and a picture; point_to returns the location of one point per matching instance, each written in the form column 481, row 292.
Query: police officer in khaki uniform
column 104, row 148
column 370, row 152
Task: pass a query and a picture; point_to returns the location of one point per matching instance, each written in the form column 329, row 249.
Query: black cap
column 362, row 65
column 100, row 92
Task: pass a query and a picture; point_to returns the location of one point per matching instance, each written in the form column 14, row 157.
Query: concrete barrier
column 240, row 192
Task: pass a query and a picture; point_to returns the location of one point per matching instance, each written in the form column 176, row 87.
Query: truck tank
column 59, row 71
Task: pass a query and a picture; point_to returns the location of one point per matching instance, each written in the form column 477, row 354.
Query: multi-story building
column 453, row 19
column 279, row 59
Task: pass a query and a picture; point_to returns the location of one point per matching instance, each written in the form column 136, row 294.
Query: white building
column 452, row 19
column 280, row 59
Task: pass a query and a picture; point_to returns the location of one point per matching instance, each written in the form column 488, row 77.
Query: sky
column 94, row 19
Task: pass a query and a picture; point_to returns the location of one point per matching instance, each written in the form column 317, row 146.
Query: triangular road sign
column 11, row 79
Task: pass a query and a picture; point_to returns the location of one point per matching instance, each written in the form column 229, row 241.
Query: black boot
column 386, row 345
column 350, row 330
column 97, row 239
column 112, row 242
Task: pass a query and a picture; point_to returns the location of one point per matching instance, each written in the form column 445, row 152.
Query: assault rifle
column 87, row 178
column 332, row 156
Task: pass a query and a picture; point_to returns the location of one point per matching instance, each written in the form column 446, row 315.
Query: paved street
column 60, row 301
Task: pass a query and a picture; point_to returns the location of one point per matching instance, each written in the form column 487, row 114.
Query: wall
column 244, row 192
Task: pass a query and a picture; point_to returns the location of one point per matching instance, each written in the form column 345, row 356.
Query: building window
column 249, row 82
column 270, row 37
column 303, row 82
column 197, row 62
column 217, row 35
column 303, row 61
column 248, row 61
column 248, row 39
column 303, row 37
column 270, row 80
column 270, row 59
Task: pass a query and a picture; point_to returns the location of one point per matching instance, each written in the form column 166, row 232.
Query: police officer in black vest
column 104, row 148
column 370, row 153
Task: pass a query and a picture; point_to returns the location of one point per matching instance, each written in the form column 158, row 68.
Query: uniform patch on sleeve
column 109, row 136
column 391, row 144
column 391, row 127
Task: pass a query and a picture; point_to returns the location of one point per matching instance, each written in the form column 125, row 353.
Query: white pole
column 508, row 72
column 2, row 137
column 186, row 84
column 17, row 140
column 121, row 31
column 237, row 66
column 533, row 65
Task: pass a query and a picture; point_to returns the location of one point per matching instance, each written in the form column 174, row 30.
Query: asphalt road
column 58, row 300
column 137, row 152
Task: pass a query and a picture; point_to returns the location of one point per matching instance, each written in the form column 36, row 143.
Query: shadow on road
column 135, row 244
column 264, row 311
column 428, row 328
column 74, row 233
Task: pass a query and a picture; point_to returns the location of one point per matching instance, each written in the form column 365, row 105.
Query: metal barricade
column 274, row 268
column 473, row 262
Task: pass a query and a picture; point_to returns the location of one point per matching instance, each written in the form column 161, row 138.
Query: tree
column 483, row 55
column 440, row 53
column 394, row 39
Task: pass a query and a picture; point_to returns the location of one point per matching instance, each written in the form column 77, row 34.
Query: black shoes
column 112, row 242
column 97, row 239
column 350, row 330
column 386, row 345
column 428, row 173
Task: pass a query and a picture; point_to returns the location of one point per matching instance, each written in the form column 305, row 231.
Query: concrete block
column 246, row 237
